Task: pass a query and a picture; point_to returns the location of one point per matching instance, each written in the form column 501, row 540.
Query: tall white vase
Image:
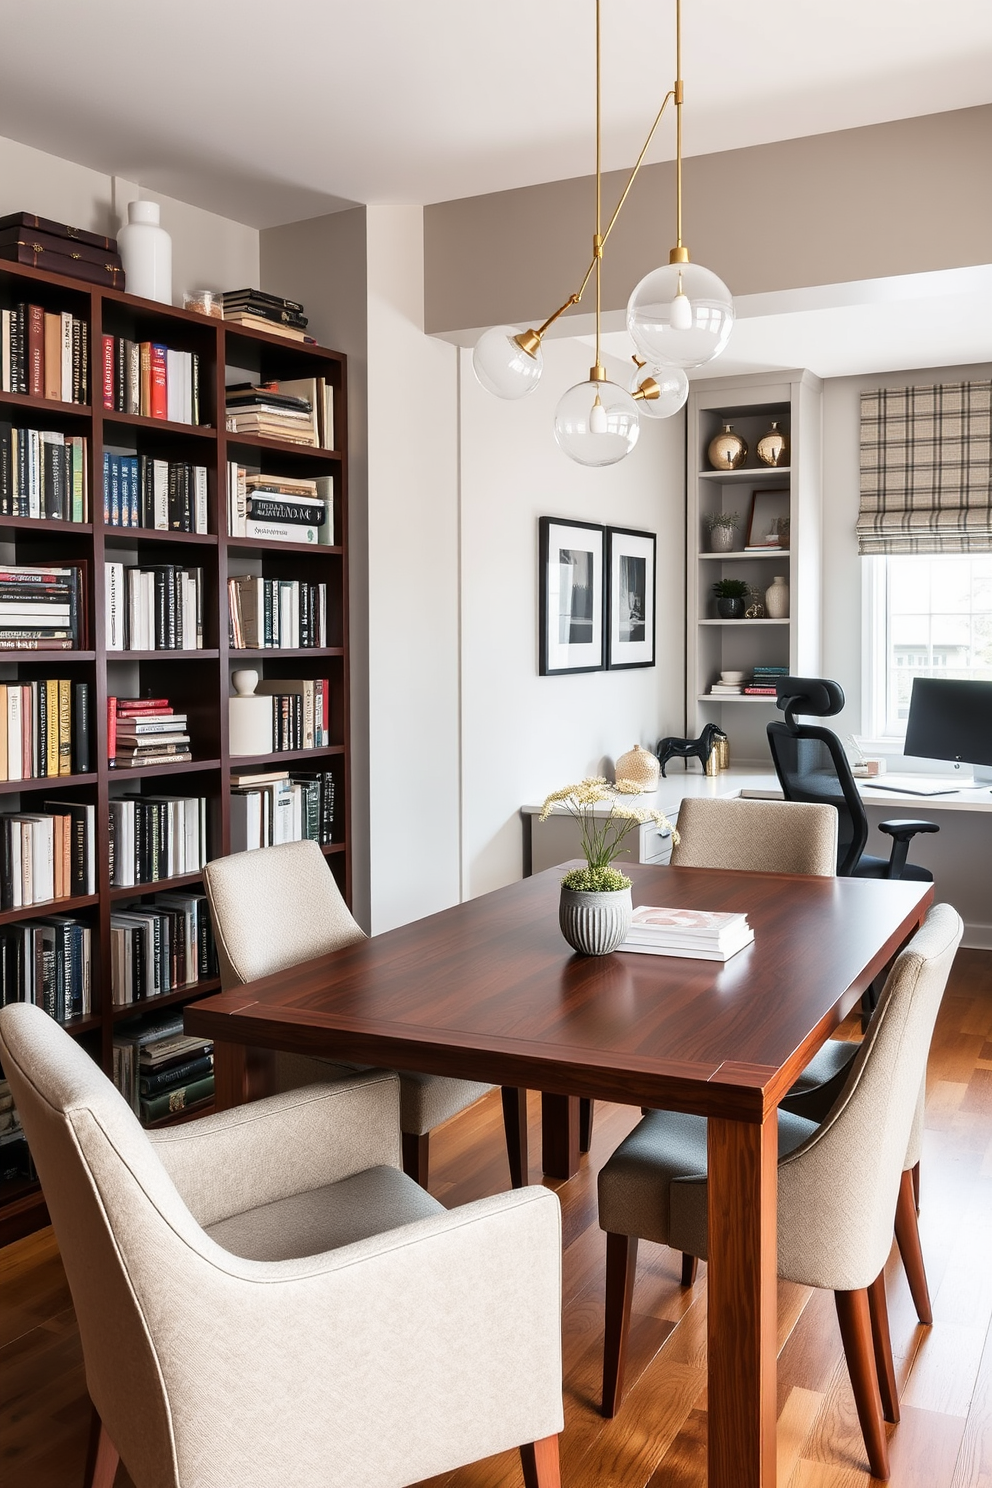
column 777, row 599
column 146, row 252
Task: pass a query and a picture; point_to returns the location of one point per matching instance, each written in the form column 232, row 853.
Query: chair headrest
column 816, row 697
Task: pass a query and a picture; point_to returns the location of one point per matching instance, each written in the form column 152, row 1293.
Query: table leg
column 560, row 1135
column 230, row 1075
column 741, row 1303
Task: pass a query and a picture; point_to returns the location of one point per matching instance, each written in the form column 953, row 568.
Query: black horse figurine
column 683, row 748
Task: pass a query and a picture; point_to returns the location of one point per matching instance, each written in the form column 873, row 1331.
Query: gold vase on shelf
column 727, row 451
column 773, row 448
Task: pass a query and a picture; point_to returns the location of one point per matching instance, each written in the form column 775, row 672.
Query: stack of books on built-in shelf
column 156, row 837
column 266, row 312
column 159, row 946
column 276, row 614
column 48, row 962
column 166, row 495
column 726, row 689
column 15, row 1160
column 43, row 474
column 47, row 854
column 39, row 609
column 160, row 1070
column 699, row 934
column 150, row 380
column 44, row 729
column 300, row 410
column 145, row 731
column 153, row 609
column 764, row 679
column 272, row 807
column 278, row 508
column 44, row 354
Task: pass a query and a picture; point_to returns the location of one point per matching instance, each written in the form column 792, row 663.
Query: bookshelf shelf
column 240, row 762
column 198, row 681
column 78, row 1026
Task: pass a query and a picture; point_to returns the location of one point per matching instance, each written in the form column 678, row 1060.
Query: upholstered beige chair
column 756, row 836
column 277, row 906
column 838, row 1184
column 265, row 1299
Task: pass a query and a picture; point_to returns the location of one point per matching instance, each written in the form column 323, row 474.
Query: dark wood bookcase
column 198, row 682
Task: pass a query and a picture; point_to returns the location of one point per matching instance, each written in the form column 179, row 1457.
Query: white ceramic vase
column 777, row 598
column 594, row 923
column 146, row 253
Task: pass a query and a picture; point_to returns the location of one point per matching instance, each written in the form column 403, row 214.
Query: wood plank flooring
column 658, row 1439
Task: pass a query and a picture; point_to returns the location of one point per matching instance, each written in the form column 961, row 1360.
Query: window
column 930, row 616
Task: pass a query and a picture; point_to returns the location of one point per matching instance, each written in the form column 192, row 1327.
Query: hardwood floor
column 658, row 1439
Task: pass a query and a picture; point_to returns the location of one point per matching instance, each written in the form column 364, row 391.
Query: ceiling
column 267, row 113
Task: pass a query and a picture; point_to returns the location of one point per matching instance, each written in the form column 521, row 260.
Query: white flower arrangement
column 602, row 836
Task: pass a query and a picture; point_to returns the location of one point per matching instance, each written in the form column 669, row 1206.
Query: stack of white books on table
column 700, row 934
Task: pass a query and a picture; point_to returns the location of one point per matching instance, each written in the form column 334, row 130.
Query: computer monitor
column 950, row 720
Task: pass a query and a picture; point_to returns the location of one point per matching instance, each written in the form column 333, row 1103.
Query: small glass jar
column 204, row 302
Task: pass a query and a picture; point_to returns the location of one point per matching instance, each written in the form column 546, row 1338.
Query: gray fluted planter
column 594, row 923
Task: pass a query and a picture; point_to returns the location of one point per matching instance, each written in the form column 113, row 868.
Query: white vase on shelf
column 777, row 598
column 146, row 253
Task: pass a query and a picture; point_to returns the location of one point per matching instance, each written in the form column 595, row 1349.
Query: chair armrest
column 399, row 1357
column 285, row 1144
column 903, row 828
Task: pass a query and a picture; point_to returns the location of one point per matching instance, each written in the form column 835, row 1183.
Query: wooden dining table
column 488, row 990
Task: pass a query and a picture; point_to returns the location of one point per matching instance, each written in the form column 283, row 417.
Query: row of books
column 156, row 837
column 159, row 946
column 159, row 608
column 43, row 474
column 166, row 495
column 276, row 614
column 273, row 807
column 297, row 411
column 44, row 353
column 696, row 934
column 764, row 680
column 44, row 729
column 47, row 854
column 145, row 731
column 39, row 608
column 48, row 962
column 280, row 508
column 265, row 312
column 151, row 380
column 160, row 1070
column 300, row 711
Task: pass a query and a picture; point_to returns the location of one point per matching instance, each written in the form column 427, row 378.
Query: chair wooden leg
column 908, row 1240
column 621, row 1263
column 916, row 1185
column 690, row 1265
column 587, row 1112
column 416, row 1156
column 855, row 1329
column 515, row 1126
column 540, row 1463
column 885, row 1369
column 102, row 1456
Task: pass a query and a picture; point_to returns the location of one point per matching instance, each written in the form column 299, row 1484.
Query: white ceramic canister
column 146, row 253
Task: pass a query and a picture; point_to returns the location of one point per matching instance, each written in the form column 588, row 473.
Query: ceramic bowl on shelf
column 732, row 678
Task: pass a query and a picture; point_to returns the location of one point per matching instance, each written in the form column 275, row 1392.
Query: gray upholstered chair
column 756, row 836
column 264, row 1298
column 839, row 1184
column 277, row 906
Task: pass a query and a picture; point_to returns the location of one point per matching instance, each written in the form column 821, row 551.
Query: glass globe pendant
column 680, row 315
column 658, row 391
column 508, row 362
column 596, row 422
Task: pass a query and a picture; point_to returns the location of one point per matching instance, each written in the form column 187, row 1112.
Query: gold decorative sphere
column 773, row 447
column 727, row 451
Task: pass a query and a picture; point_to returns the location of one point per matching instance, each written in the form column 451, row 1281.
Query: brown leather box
column 71, row 263
column 48, row 243
column 31, row 223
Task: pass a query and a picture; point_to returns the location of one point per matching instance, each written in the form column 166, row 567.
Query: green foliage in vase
column 731, row 589
column 595, row 880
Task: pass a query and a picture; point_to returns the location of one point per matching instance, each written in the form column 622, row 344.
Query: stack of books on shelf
column 160, row 946
column 47, row 854
column 764, row 679
column 153, row 609
column 39, row 608
column 726, row 689
column 44, row 354
column 15, row 1160
column 156, row 837
column 276, row 614
column 699, row 934
column 151, row 380
column 160, row 1070
column 145, row 731
column 44, row 729
column 300, row 411
column 266, row 312
column 166, row 495
column 276, row 806
column 279, row 508
column 43, row 474
column 300, row 711
column 48, row 962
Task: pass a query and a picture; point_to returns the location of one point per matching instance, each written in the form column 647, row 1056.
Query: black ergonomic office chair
column 811, row 766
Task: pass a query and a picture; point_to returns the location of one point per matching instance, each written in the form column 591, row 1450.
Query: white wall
column 524, row 735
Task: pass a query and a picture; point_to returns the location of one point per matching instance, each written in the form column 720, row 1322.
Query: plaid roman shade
column 926, row 469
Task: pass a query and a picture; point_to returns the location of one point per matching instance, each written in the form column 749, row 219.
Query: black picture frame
column 631, row 581
column 572, row 590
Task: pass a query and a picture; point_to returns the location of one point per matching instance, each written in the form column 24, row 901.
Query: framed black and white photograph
column 571, row 596
column 769, row 524
column 631, row 605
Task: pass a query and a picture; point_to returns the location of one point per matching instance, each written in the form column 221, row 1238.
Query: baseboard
column 978, row 937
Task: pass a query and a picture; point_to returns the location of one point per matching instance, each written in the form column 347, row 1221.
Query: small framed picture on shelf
column 768, row 528
column 630, row 567
column 571, row 582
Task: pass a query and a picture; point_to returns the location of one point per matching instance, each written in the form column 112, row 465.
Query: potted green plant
column 721, row 526
column 732, row 596
column 595, row 908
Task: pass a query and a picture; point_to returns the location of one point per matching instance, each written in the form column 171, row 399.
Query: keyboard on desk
column 915, row 785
